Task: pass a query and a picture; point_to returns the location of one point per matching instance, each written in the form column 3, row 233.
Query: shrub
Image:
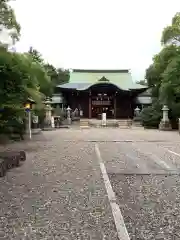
column 174, row 114
column 151, row 116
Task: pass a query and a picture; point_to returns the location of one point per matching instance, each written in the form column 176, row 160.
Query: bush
column 151, row 116
column 174, row 115
column 12, row 122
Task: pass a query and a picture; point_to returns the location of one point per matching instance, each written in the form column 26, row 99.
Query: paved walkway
column 63, row 190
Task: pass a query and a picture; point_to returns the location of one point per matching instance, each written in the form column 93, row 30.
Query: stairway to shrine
column 84, row 123
column 115, row 123
column 125, row 123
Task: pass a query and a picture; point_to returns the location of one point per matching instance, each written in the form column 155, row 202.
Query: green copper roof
column 86, row 86
column 101, row 70
column 84, row 79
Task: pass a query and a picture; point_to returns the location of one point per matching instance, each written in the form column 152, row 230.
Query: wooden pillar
column 115, row 106
column 90, row 108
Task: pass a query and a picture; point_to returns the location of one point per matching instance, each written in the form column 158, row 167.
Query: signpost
column 28, row 110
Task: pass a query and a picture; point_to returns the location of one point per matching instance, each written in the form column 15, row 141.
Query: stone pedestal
column 165, row 123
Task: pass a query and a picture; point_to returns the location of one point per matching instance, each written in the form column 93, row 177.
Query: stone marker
column 68, row 115
column 103, row 119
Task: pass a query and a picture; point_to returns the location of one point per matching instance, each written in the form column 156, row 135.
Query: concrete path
column 94, row 184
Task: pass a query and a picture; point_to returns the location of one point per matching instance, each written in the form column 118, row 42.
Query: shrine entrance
column 102, row 103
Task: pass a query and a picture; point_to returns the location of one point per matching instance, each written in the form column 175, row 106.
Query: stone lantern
column 48, row 113
column 137, row 118
column 165, row 123
column 137, row 111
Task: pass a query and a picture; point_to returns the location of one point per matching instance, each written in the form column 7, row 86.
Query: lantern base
column 165, row 125
column 69, row 121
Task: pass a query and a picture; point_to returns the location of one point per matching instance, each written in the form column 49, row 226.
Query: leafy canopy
column 8, row 21
column 171, row 34
column 163, row 75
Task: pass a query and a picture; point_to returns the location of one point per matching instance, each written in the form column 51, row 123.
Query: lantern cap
column 30, row 101
column 165, row 108
column 137, row 108
column 48, row 100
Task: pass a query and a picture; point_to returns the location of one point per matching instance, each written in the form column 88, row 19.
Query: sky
column 95, row 34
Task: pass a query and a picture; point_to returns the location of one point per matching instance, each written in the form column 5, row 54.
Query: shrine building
column 97, row 91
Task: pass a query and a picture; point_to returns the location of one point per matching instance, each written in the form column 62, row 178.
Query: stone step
column 125, row 123
column 84, row 123
column 137, row 124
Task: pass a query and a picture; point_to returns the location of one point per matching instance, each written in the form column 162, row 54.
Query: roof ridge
column 101, row 70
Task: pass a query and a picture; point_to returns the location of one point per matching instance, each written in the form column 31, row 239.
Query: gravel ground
column 58, row 193
column 150, row 205
column 147, row 192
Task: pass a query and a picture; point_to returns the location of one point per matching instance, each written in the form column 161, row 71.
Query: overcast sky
column 97, row 34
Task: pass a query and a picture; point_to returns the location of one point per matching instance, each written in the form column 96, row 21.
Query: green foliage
column 22, row 76
column 171, row 34
column 63, row 76
column 36, row 56
column 163, row 75
column 170, row 86
column 52, row 75
column 8, row 20
column 151, row 116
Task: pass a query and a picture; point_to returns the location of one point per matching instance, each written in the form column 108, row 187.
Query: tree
column 170, row 86
column 171, row 34
column 36, row 56
column 142, row 82
column 21, row 78
column 8, row 20
column 154, row 74
column 52, row 73
column 63, row 76
column 163, row 76
column 57, row 76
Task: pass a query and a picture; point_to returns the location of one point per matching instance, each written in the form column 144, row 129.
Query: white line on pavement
column 177, row 154
column 160, row 162
column 156, row 159
column 118, row 218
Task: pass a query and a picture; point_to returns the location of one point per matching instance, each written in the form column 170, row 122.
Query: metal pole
column 29, row 119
